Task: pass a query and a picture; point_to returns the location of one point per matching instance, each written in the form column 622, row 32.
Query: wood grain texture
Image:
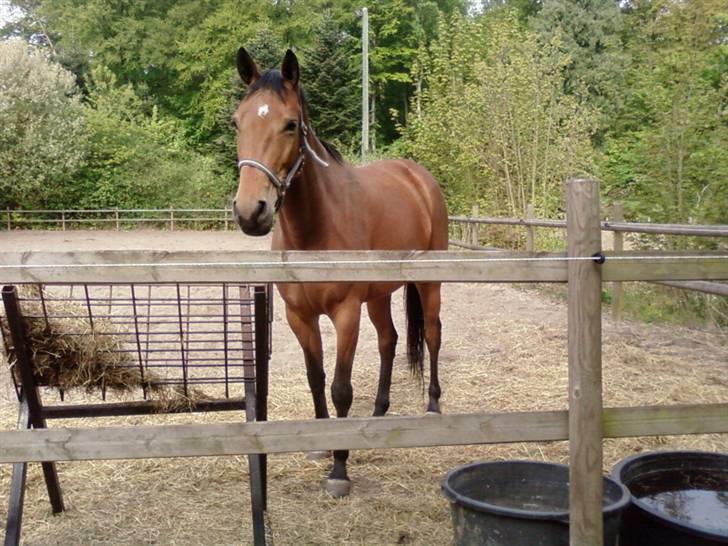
column 665, row 266
column 337, row 266
column 701, row 230
column 64, row 444
column 718, row 230
column 617, row 289
column 214, row 439
column 706, row 287
column 268, row 266
column 585, row 365
column 530, row 230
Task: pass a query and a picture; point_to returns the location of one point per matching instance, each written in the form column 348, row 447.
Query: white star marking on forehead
column 263, row 111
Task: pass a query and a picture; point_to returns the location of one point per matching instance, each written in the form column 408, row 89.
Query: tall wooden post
column 585, row 368
column 530, row 230
column 618, row 246
column 364, row 83
column 475, row 227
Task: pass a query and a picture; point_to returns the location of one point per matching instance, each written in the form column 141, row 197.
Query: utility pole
column 364, row 83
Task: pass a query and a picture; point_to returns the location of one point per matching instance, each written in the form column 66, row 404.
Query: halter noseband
column 282, row 186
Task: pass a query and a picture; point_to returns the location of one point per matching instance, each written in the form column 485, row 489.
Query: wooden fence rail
column 119, row 218
column 698, row 230
column 65, row 218
column 129, row 266
column 213, row 439
column 470, row 240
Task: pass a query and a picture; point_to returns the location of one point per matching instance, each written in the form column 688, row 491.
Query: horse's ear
column 289, row 68
column 247, row 68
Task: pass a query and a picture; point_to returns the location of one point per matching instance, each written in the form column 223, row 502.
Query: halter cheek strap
column 282, row 186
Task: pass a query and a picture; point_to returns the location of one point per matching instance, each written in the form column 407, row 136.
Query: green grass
column 656, row 304
column 661, row 304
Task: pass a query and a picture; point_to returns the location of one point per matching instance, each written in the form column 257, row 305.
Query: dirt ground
column 504, row 349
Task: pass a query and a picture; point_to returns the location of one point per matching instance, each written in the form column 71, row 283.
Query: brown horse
column 324, row 204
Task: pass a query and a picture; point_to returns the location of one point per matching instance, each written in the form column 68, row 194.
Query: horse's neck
column 310, row 204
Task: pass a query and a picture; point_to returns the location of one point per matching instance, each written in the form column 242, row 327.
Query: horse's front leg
column 306, row 329
column 346, row 323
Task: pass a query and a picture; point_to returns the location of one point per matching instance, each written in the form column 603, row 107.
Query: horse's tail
column 415, row 330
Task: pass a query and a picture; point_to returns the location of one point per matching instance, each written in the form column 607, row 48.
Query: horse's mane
column 333, row 152
column 272, row 80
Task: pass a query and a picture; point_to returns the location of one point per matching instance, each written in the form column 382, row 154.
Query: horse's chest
column 315, row 298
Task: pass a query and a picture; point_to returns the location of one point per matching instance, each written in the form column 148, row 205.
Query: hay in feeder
column 70, row 353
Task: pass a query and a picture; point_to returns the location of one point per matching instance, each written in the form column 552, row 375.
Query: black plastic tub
column 679, row 498
column 520, row 503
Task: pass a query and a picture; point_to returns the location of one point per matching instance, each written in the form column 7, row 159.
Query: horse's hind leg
column 346, row 319
column 430, row 298
column 380, row 313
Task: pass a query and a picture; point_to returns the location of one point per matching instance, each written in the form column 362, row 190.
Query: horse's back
column 405, row 206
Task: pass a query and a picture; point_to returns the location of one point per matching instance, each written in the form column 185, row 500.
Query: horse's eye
column 290, row 126
column 233, row 123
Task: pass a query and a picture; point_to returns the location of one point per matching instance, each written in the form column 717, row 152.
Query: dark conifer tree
column 331, row 79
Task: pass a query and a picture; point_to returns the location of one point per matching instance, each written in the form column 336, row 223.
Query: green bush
column 42, row 133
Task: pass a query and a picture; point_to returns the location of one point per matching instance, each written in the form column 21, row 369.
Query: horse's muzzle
column 259, row 223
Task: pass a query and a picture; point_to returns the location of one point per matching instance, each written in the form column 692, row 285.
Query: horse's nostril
column 261, row 209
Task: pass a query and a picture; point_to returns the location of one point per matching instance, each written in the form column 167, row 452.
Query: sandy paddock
column 504, row 349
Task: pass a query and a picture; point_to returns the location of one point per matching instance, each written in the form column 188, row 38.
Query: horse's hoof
column 432, row 413
column 318, row 455
column 337, row 488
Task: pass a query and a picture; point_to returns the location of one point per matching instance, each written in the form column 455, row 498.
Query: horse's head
column 270, row 141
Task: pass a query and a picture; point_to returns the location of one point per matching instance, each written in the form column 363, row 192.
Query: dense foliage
column 41, row 127
column 666, row 150
column 496, row 124
column 111, row 103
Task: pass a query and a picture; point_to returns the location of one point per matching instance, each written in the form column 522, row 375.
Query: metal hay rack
column 152, row 349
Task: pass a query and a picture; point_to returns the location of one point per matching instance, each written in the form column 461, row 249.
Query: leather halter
column 282, row 186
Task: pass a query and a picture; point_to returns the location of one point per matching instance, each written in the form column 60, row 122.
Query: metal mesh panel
column 185, row 336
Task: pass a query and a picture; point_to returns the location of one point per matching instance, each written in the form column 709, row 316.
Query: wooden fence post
column 585, row 368
column 618, row 246
column 116, row 216
column 63, row 220
column 475, row 228
column 171, row 219
column 530, row 230
column 9, row 220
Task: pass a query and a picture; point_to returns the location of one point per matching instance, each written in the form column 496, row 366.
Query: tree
column 138, row 161
column 56, row 151
column 332, row 86
column 398, row 29
column 590, row 34
column 42, row 136
column 667, row 155
column 496, row 125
